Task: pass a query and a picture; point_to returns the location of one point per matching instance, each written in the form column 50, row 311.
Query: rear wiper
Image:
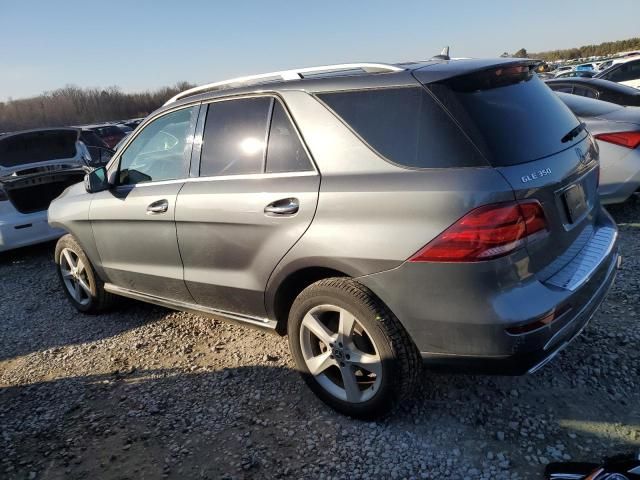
column 574, row 133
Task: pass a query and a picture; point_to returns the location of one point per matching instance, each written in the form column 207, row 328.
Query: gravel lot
column 145, row 392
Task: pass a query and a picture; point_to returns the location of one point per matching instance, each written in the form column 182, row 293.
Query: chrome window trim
column 246, row 176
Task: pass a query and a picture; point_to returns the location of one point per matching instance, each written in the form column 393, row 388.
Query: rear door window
column 235, row 136
column 285, row 152
column 512, row 117
column 406, row 126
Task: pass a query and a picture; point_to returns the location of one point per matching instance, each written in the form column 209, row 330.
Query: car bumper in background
column 459, row 314
column 18, row 230
column 619, row 173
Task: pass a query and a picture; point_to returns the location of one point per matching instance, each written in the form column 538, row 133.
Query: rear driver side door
column 254, row 195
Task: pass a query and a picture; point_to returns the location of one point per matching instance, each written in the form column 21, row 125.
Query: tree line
column 606, row 48
column 73, row 105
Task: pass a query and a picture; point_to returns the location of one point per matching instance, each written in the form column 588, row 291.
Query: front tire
column 350, row 349
column 82, row 286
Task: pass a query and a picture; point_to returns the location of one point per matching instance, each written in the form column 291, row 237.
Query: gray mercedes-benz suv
column 381, row 215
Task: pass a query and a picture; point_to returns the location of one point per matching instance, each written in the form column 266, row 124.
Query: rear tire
column 82, row 286
column 350, row 349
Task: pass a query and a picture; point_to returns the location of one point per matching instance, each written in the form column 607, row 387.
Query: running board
column 238, row 318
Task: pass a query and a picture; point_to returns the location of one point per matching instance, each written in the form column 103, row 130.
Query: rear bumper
column 19, row 230
column 458, row 314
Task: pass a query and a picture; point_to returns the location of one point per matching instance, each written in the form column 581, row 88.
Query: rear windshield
column 406, row 126
column 588, row 107
column 21, row 149
column 511, row 121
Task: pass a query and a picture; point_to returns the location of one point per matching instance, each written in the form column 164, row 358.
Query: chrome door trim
column 239, row 318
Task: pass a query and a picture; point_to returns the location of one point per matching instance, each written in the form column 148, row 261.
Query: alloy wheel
column 74, row 276
column 340, row 353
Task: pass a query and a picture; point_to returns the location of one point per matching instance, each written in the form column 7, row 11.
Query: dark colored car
column 380, row 215
column 98, row 149
column 597, row 88
column 110, row 134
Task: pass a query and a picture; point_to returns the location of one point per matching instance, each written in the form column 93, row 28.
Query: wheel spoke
column 65, row 273
column 76, row 291
column 69, row 259
column 84, row 286
column 320, row 363
column 371, row 363
column 347, row 321
column 79, row 266
column 350, row 384
column 316, row 327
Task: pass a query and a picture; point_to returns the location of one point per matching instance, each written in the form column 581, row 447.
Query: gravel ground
column 145, row 392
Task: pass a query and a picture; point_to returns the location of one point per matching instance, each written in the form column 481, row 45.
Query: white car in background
column 617, row 131
column 625, row 70
column 35, row 167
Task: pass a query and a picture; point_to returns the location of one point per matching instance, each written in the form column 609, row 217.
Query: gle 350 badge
column 537, row 174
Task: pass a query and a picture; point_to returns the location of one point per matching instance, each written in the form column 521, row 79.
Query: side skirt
column 238, row 318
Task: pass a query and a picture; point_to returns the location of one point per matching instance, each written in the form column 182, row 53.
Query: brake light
column 485, row 233
column 624, row 139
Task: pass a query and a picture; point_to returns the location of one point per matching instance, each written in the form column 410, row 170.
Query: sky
column 145, row 44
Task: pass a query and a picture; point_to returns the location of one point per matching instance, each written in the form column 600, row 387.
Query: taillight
column 486, row 232
column 624, row 139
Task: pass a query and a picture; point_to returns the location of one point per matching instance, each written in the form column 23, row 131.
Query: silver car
column 617, row 133
column 380, row 215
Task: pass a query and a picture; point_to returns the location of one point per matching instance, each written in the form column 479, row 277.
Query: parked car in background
column 585, row 67
column 109, row 133
column 597, row 88
column 575, row 73
column 623, row 70
column 617, row 132
column 604, row 65
column 563, row 68
column 448, row 227
column 133, row 123
column 35, row 167
column 98, row 149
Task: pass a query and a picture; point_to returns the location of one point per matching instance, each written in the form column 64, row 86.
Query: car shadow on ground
column 260, row 422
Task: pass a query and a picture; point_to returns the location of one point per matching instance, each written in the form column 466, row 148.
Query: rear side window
column 512, row 120
column 285, row 152
column 406, row 126
column 587, row 107
column 585, row 92
column 234, row 137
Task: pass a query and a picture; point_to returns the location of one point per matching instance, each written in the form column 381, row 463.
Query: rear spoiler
column 439, row 71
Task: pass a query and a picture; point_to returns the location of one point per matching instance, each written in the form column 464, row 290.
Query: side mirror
column 96, row 180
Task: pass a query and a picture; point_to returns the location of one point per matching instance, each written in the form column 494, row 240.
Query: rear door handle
column 285, row 206
column 160, row 206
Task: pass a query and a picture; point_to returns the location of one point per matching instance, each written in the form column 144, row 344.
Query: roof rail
column 285, row 75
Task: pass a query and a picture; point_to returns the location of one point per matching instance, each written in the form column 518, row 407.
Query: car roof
column 396, row 75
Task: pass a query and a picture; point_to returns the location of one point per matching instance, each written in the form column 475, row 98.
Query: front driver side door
column 134, row 221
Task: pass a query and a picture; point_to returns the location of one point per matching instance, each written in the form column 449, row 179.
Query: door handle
column 161, row 206
column 286, row 206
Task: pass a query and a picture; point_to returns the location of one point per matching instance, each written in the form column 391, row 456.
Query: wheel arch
column 289, row 287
